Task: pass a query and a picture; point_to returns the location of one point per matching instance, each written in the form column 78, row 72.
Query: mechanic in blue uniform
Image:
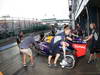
column 59, row 39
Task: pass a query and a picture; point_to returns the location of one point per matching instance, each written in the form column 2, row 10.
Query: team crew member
column 56, row 41
column 25, row 49
column 93, row 37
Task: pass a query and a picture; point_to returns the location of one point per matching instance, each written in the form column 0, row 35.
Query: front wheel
column 68, row 62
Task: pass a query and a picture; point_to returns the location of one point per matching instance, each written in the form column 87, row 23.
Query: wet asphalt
column 41, row 68
column 10, row 64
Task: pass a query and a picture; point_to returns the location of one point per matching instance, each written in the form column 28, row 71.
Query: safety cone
column 1, row 73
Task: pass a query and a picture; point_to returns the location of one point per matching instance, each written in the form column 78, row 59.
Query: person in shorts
column 93, row 37
column 25, row 49
column 54, row 45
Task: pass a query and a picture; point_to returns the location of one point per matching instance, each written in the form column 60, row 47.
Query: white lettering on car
column 79, row 46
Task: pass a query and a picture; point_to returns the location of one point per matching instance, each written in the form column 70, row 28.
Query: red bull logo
column 80, row 49
column 80, row 46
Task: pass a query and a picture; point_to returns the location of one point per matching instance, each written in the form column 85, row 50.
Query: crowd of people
column 60, row 38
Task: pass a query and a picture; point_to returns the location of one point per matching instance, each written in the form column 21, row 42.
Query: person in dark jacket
column 41, row 36
column 79, row 31
column 20, row 37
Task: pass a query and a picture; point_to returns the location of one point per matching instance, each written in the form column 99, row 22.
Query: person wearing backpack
column 93, row 37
